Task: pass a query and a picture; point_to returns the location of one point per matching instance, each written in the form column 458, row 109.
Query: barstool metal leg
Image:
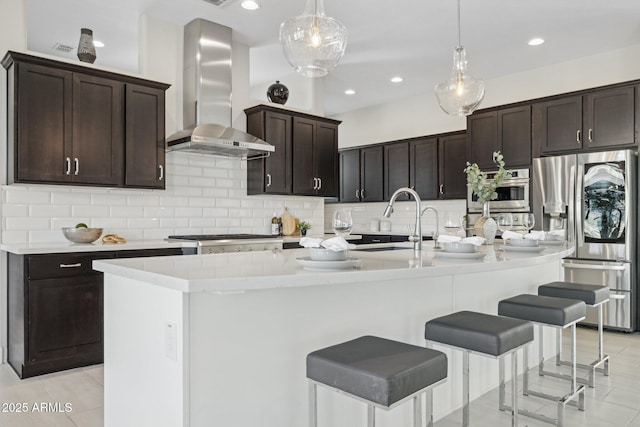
column 541, row 350
column 371, row 416
column 514, row 389
column 313, row 405
column 429, row 407
column 465, row 388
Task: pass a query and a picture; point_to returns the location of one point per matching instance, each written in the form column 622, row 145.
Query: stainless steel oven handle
column 593, row 267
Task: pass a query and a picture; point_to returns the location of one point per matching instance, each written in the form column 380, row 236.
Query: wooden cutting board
column 288, row 223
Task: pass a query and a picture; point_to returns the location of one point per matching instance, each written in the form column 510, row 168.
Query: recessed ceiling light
column 250, row 5
column 536, row 41
column 98, row 43
column 396, row 79
column 349, row 92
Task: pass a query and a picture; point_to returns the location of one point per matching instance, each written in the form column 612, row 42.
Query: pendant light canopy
column 313, row 43
column 461, row 94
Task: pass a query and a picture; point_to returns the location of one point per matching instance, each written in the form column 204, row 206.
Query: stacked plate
column 327, row 259
column 459, row 250
column 522, row 245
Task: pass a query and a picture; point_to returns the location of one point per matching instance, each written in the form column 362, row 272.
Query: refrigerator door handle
column 593, row 267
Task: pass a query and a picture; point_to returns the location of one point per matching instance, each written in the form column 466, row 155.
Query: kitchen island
column 221, row 340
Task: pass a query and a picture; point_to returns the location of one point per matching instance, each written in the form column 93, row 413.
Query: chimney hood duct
column 207, row 97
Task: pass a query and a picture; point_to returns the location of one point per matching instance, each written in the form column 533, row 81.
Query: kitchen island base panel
column 240, row 357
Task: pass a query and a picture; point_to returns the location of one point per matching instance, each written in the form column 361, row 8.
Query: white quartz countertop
column 68, row 247
column 251, row 271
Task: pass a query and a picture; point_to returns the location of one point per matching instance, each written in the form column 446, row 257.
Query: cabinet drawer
column 63, row 265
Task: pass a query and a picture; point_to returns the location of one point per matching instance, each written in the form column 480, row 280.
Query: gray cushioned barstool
column 554, row 312
column 593, row 296
column 378, row 371
column 485, row 335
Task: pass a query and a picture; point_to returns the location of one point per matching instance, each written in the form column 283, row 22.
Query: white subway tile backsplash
column 72, row 199
column 26, row 223
column 203, row 195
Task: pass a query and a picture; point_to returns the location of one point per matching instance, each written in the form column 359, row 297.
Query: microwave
column 513, row 194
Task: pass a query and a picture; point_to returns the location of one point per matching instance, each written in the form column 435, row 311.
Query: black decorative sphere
column 278, row 93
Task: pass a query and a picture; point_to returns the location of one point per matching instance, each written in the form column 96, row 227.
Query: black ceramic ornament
column 86, row 49
column 278, row 93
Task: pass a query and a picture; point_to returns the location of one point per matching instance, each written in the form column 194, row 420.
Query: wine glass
column 528, row 221
column 342, row 222
column 505, row 222
column 452, row 222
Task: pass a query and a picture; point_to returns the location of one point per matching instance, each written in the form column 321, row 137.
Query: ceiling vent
column 219, row 2
column 59, row 47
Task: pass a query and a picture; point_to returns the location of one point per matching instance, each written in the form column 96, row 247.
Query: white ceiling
column 410, row 38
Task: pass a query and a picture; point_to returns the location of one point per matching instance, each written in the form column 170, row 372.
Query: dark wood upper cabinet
column 361, row 174
column 70, row 124
column 609, row 118
column 599, row 119
column 482, row 132
column 453, row 181
column 371, row 174
column 514, row 135
column 396, row 169
column 306, row 158
column 423, row 167
column 41, row 116
column 271, row 175
column 144, row 137
column 97, row 156
column 558, row 125
column 350, row 176
column 507, row 130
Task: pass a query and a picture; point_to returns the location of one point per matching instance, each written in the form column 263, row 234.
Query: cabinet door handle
column 78, row 264
column 268, row 180
column 76, row 163
column 362, row 193
column 441, row 189
column 161, row 172
column 319, row 183
column 590, row 135
column 357, row 194
column 68, row 162
column 578, row 136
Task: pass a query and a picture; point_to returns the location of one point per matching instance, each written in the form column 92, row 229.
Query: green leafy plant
column 303, row 226
column 482, row 187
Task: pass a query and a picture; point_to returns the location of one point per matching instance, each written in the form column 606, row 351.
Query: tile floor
column 614, row 402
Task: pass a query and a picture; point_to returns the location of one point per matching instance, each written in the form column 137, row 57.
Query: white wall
column 421, row 115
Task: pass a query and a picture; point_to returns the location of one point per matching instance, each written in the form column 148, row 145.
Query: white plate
column 459, row 255
column 310, row 264
column 522, row 248
column 552, row 242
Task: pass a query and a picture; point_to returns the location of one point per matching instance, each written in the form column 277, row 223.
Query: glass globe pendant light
column 313, row 43
column 461, row 94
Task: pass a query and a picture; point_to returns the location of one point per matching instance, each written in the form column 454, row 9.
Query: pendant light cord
column 459, row 43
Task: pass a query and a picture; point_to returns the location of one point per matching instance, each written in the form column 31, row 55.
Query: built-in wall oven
column 513, row 194
column 513, row 197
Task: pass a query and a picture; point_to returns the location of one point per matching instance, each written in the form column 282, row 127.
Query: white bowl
column 322, row 254
column 82, row 234
column 459, row 247
column 523, row 242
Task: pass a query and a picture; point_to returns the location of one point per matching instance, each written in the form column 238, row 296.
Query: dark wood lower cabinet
column 55, row 309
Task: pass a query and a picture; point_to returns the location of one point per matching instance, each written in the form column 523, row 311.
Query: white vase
column 486, row 226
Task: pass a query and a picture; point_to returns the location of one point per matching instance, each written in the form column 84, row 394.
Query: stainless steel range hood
column 207, row 97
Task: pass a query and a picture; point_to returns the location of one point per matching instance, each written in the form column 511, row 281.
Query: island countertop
column 250, row 271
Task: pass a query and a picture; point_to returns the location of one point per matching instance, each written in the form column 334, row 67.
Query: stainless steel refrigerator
column 590, row 199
